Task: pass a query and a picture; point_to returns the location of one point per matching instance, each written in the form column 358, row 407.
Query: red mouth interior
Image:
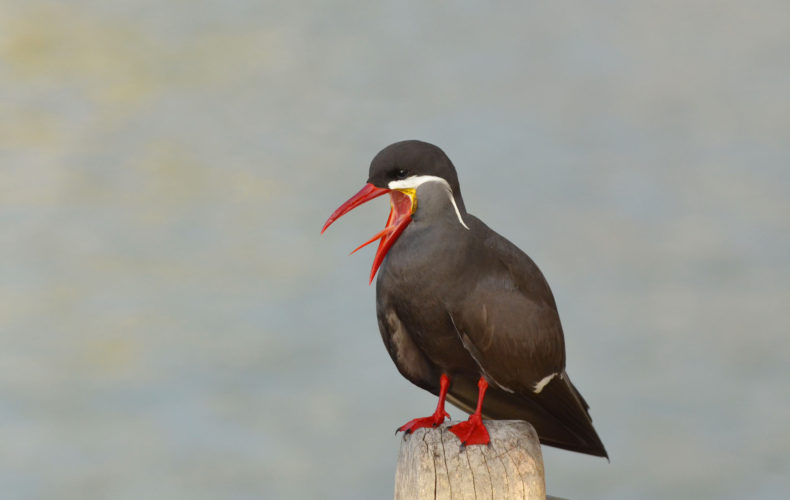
column 399, row 218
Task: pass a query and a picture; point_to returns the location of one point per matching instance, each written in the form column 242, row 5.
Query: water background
column 173, row 326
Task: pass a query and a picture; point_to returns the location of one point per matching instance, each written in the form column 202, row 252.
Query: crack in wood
column 490, row 477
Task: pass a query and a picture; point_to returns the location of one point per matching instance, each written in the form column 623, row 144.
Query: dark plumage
column 455, row 298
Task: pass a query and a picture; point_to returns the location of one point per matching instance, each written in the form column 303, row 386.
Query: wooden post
column 432, row 465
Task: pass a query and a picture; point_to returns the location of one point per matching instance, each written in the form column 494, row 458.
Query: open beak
column 402, row 205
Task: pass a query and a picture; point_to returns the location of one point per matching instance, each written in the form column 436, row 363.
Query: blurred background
column 172, row 325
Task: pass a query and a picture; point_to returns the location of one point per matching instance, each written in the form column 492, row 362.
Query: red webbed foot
column 472, row 431
column 438, row 416
column 434, row 420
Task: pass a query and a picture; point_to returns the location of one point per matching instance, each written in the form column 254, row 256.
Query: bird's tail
column 558, row 413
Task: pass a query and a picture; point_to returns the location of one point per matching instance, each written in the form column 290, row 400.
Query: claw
column 433, row 421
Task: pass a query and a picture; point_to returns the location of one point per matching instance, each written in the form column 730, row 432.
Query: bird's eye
column 400, row 174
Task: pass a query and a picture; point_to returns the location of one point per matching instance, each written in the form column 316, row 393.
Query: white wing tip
column 543, row 383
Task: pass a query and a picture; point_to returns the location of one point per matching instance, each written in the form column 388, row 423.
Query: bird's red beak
column 402, row 205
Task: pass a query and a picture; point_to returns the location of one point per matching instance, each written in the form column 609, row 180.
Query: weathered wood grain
column 433, row 465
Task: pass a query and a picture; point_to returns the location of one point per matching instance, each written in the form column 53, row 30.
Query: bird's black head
column 404, row 170
column 407, row 162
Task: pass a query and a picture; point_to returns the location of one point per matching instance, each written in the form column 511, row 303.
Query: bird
column 463, row 312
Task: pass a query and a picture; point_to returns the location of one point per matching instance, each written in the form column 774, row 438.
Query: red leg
column 473, row 431
column 438, row 416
